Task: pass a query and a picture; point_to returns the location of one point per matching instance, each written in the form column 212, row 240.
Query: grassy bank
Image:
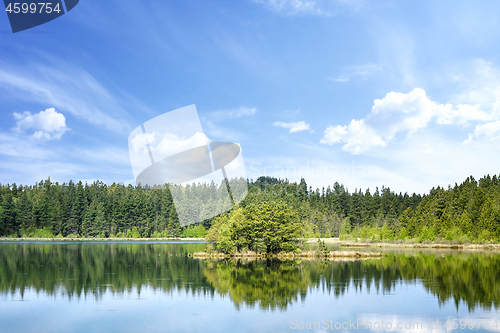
column 408, row 243
column 488, row 246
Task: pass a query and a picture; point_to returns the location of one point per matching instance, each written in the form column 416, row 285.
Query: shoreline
column 310, row 255
column 491, row 246
column 98, row 239
column 344, row 243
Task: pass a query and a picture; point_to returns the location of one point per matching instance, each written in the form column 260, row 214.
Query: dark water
column 155, row 287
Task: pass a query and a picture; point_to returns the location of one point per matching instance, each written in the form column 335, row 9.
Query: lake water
column 155, row 287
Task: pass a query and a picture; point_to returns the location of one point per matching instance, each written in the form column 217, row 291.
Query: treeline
column 323, row 210
column 463, row 213
column 91, row 210
column 469, row 212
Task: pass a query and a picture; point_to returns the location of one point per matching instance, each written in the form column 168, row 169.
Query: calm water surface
column 155, row 287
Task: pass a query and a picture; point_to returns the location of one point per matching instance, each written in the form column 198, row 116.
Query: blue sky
column 396, row 93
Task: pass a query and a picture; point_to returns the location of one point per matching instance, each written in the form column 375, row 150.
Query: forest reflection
column 83, row 269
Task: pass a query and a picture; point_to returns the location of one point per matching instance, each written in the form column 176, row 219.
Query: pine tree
column 8, row 225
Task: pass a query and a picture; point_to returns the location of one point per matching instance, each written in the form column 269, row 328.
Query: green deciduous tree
column 271, row 227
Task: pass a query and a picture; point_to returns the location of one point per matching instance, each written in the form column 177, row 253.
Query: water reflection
column 81, row 269
column 93, row 268
column 270, row 284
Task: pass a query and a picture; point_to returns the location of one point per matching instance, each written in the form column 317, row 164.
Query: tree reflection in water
column 77, row 269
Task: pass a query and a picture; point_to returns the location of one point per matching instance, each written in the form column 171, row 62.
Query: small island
column 265, row 230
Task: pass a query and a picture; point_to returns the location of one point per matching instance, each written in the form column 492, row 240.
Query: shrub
column 272, row 227
column 427, row 234
column 134, row 233
column 485, row 235
column 345, row 228
column 193, row 231
column 403, row 234
column 45, row 232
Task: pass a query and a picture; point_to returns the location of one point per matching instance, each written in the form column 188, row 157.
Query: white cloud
column 25, row 161
column 361, row 71
column 489, row 131
column 111, row 154
column 311, row 7
column 232, row 113
column 48, row 124
column 212, row 120
column 427, row 159
column 399, row 112
column 462, row 115
column 478, row 84
column 68, row 89
column 358, row 137
column 341, row 78
column 139, row 142
column 13, row 146
column 294, row 127
column 166, row 144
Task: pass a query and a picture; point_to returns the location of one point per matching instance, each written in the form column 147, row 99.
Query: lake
column 156, row 287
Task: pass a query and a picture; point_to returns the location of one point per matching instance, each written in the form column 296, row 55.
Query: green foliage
column 386, row 233
column 94, row 222
column 222, row 234
column 403, row 234
column 322, row 246
column 45, row 232
column 84, row 271
column 268, row 227
column 8, row 215
column 90, row 210
column 133, row 233
column 32, row 232
column 194, row 231
column 259, row 283
column 453, row 234
column 427, row 234
column 163, row 234
column 345, row 229
column 469, row 212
